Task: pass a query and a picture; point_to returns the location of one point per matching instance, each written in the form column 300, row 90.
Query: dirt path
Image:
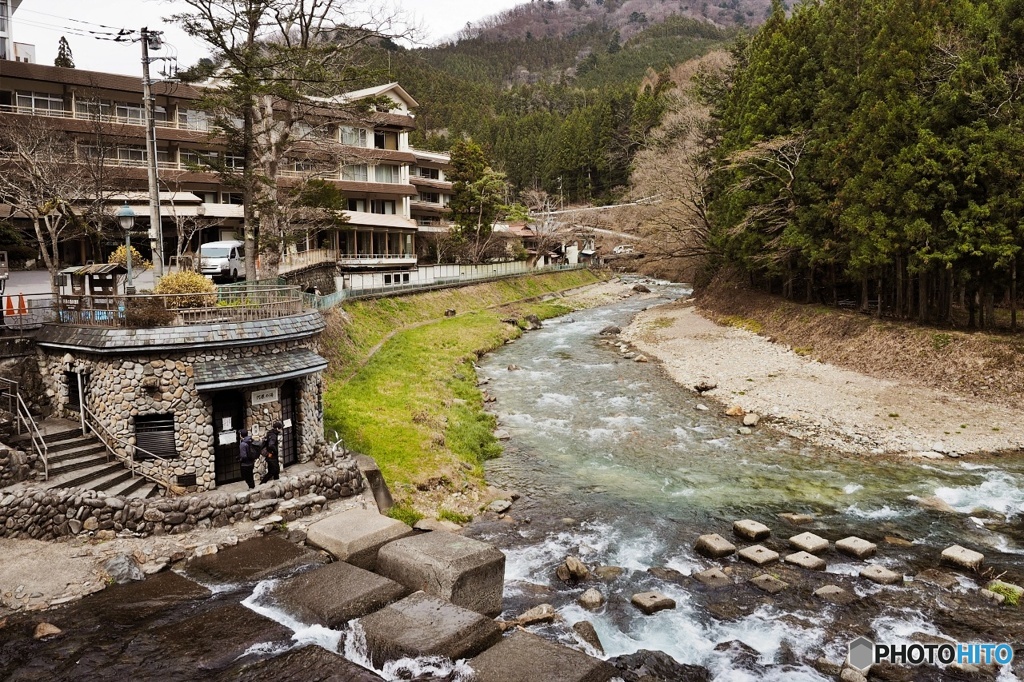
column 821, row 403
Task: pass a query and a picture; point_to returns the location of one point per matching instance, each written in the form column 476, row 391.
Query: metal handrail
column 22, row 414
column 129, row 458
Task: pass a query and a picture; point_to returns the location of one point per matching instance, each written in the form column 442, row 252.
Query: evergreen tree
column 64, row 59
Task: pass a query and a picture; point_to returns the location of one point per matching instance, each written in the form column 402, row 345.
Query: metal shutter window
column 155, row 433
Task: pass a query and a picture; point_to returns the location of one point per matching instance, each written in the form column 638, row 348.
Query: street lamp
column 126, row 216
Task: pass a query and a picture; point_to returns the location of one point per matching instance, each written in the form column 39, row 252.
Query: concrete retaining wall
column 43, row 514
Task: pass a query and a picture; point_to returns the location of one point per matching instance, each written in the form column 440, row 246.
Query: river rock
column 758, row 555
column 714, row 546
column 702, row 407
column 123, row 569
column 532, row 322
column 502, row 434
column 809, row 542
column 851, row 675
column 744, row 431
column 937, row 504
column 652, row 602
column 734, row 411
column 751, row 419
column 741, row 654
column 768, row 583
column 856, row 547
column 641, row 289
column 545, row 613
column 44, row 630
column 608, row 573
column 572, row 570
column 584, row 629
column 499, row 506
column 525, row 657
column 751, row 530
column 705, row 385
column 592, row 599
column 437, row 524
column 806, row 560
column 835, row 595
column 963, row 557
column 610, row 330
column 938, row 578
column 713, row 577
column 657, row 666
column 881, row 575
column 667, row 574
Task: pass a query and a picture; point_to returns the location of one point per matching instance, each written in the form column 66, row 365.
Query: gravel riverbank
column 821, row 403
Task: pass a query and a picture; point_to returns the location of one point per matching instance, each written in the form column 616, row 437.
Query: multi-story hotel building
column 392, row 191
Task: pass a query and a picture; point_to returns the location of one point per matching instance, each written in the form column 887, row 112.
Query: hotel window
column 354, row 173
column 38, row 102
column 354, row 137
column 386, row 174
column 234, row 162
column 191, row 119
column 191, row 157
column 236, row 198
column 382, row 207
column 357, row 205
column 134, row 113
column 429, row 173
column 385, row 140
column 430, row 197
column 92, row 109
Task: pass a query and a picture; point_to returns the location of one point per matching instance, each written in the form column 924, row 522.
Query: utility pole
column 151, row 40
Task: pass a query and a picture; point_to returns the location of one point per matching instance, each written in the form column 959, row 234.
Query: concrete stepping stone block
column 881, row 575
column 856, row 547
column 993, row 597
column 251, row 561
column 1008, row 590
column 214, row 639
column 806, row 560
column 299, row 665
column 809, row 542
column 525, row 657
column 335, row 594
column 963, row 557
column 425, row 625
column 751, row 530
column 652, row 602
column 769, row 583
column 129, row 604
column 713, row 577
column 355, row 536
column 797, row 519
column 714, row 546
column 759, row 555
column 466, row 572
column 835, row 595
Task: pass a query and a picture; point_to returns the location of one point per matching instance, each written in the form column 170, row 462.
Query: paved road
column 38, row 282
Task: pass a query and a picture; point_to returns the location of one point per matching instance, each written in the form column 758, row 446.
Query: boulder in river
column 705, row 385
column 592, row 599
column 545, row 613
column 586, row 632
column 44, row 630
column 734, row 411
column 123, row 569
column 641, row 289
column 608, row 573
column 572, row 570
column 610, row 330
column 657, row 666
column 936, row 504
column 667, row 574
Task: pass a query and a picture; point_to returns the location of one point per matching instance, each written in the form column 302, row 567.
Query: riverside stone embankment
column 838, row 408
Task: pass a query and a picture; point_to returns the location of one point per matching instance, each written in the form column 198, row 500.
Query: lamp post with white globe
column 126, row 216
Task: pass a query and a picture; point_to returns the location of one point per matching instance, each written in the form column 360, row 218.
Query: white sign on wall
column 264, row 397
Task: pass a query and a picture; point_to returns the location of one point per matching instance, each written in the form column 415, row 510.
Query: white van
column 222, row 259
column 623, row 248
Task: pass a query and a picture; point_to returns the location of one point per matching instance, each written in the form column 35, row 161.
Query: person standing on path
column 246, row 457
column 270, row 451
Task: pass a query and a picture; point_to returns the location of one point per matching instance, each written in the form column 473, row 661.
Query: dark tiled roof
column 258, row 369
column 114, row 341
column 92, row 79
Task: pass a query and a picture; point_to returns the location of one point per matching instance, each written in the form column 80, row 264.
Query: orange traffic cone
column 22, row 308
column 10, row 306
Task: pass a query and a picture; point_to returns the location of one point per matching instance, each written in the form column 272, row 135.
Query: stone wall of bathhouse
column 114, row 392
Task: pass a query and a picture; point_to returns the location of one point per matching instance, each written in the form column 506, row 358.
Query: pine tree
column 64, row 59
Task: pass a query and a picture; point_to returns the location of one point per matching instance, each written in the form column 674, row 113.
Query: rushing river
column 620, row 466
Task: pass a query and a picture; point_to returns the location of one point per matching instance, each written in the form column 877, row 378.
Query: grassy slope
column 415, row 406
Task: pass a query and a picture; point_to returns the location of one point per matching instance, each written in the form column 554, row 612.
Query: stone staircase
column 78, row 461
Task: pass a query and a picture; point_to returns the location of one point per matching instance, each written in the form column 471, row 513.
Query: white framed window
column 193, row 119
column 133, row 113
column 355, row 173
column 382, row 206
column 354, row 137
column 387, row 174
column 39, row 102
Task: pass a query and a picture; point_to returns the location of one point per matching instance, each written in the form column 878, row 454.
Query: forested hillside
column 563, row 114
column 872, row 150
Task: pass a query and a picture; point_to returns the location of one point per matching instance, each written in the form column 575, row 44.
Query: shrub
column 147, row 312
column 187, row 282
column 139, row 264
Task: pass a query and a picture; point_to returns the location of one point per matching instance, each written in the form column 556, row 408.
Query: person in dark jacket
column 270, row 451
column 247, row 457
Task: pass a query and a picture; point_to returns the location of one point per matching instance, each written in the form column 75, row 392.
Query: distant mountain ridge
column 564, row 18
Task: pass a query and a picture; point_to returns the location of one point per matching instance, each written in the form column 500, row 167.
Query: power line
column 77, row 21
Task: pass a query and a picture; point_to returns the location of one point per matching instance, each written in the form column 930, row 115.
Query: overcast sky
column 43, row 22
